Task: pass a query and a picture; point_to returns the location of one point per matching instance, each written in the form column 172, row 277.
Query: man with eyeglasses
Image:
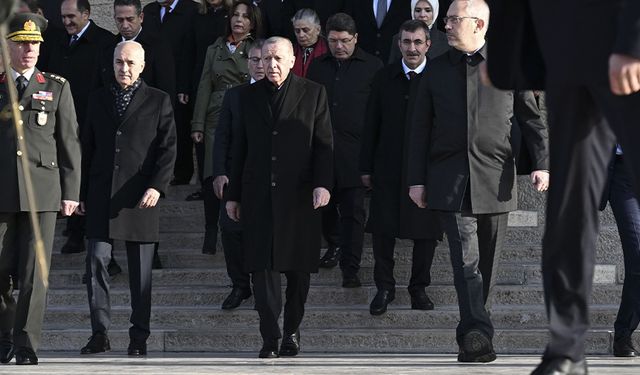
column 461, row 164
column 231, row 231
column 383, row 168
column 592, row 81
column 346, row 72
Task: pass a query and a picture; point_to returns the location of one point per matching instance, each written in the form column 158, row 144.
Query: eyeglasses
column 341, row 41
column 455, row 20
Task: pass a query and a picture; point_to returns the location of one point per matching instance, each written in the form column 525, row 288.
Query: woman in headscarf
column 309, row 43
column 427, row 12
column 225, row 66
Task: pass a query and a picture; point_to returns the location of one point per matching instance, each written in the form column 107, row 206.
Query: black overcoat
column 455, row 145
column 348, row 87
column 275, row 167
column 384, row 156
column 377, row 41
column 122, row 159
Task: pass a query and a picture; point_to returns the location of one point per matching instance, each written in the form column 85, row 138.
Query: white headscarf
column 434, row 5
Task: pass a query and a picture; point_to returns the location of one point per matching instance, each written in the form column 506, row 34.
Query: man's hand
column 183, row 98
column 418, row 195
column 233, row 210
column 197, row 136
column 218, row 185
column 150, row 198
column 321, row 197
column 624, row 74
column 366, row 181
column 68, row 207
column 540, row 180
column 80, row 210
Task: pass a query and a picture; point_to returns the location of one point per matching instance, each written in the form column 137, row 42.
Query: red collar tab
column 3, row 78
column 40, row 78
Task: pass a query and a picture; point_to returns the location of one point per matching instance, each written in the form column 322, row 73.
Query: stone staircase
column 187, row 294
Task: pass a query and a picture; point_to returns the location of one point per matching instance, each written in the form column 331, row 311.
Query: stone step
column 441, row 274
column 317, row 317
column 506, row 341
column 606, row 294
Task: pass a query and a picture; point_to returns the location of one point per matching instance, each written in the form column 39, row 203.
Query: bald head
column 466, row 26
column 128, row 62
column 278, row 59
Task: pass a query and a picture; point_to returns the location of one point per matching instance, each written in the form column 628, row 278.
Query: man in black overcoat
column 461, row 163
column 231, row 231
column 76, row 53
column 383, row 162
column 128, row 149
column 171, row 20
column 346, row 72
column 592, row 77
column 378, row 21
column 282, row 170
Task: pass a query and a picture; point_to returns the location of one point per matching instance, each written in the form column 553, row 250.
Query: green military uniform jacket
column 52, row 141
column 222, row 71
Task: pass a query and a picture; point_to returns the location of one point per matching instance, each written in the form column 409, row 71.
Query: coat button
column 116, row 167
column 19, row 153
column 275, row 132
column 273, row 158
column 21, row 108
column 378, row 35
column 117, row 150
column 118, row 132
column 273, row 184
column 53, row 163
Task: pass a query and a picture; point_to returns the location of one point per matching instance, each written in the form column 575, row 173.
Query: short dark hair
column 255, row 16
column 128, row 3
column 411, row 26
column 341, row 22
column 83, row 6
column 257, row 44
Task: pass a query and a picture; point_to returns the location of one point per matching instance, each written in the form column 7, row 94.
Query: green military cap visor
column 27, row 27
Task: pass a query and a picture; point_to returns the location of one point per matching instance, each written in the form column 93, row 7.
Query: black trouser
column 18, row 262
column 626, row 209
column 475, row 244
column 331, row 225
column 183, row 167
column 231, row 232
column 350, row 204
column 268, row 296
column 383, row 249
column 580, row 145
column 140, row 259
column 76, row 225
column 211, row 208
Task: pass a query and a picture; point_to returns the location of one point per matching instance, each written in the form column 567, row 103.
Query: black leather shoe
column 421, row 301
column 74, row 244
column 113, row 268
column 561, row 366
column 137, row 348
column 210, row 239
column 380, row 301
column 269, row 350
column 290, row 346
column 330, row 258
column 157, row 264
column 26, row 356
column 350, row 281
column 235, row 298
column 98, row 343
column 6, row 348
column 476, row 347
column 623, row 347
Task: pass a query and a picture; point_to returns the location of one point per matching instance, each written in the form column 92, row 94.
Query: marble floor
column 54, row 363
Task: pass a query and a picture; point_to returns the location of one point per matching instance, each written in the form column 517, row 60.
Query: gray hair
column 308, row 15
column 133, row 43
column 278, row 40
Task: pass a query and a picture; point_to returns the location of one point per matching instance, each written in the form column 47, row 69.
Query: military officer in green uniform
column 53, row 151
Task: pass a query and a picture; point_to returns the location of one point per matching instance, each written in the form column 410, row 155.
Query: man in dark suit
column 281, row 173
column 461, row 164
column 51, row 138
column 231, row 231
column 76, row 54
column 383, row 162
column 128, row 151
column 346, row 73
column 171, row 20
column 592, row 79
column 378, row 21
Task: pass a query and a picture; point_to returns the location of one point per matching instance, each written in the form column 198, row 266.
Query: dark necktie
column 74, row 39
column 411, row 74
column 381, row 12
column 21, row 85
column 167, row 10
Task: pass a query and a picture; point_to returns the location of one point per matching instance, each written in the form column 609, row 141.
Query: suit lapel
column 292, row 98
column 137, row 100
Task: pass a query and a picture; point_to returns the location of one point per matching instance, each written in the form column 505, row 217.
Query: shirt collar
column 84, row 29
column 26, row 74
column 134, row 38
column 173, row 5
column 418, row 70
column 457, row 56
